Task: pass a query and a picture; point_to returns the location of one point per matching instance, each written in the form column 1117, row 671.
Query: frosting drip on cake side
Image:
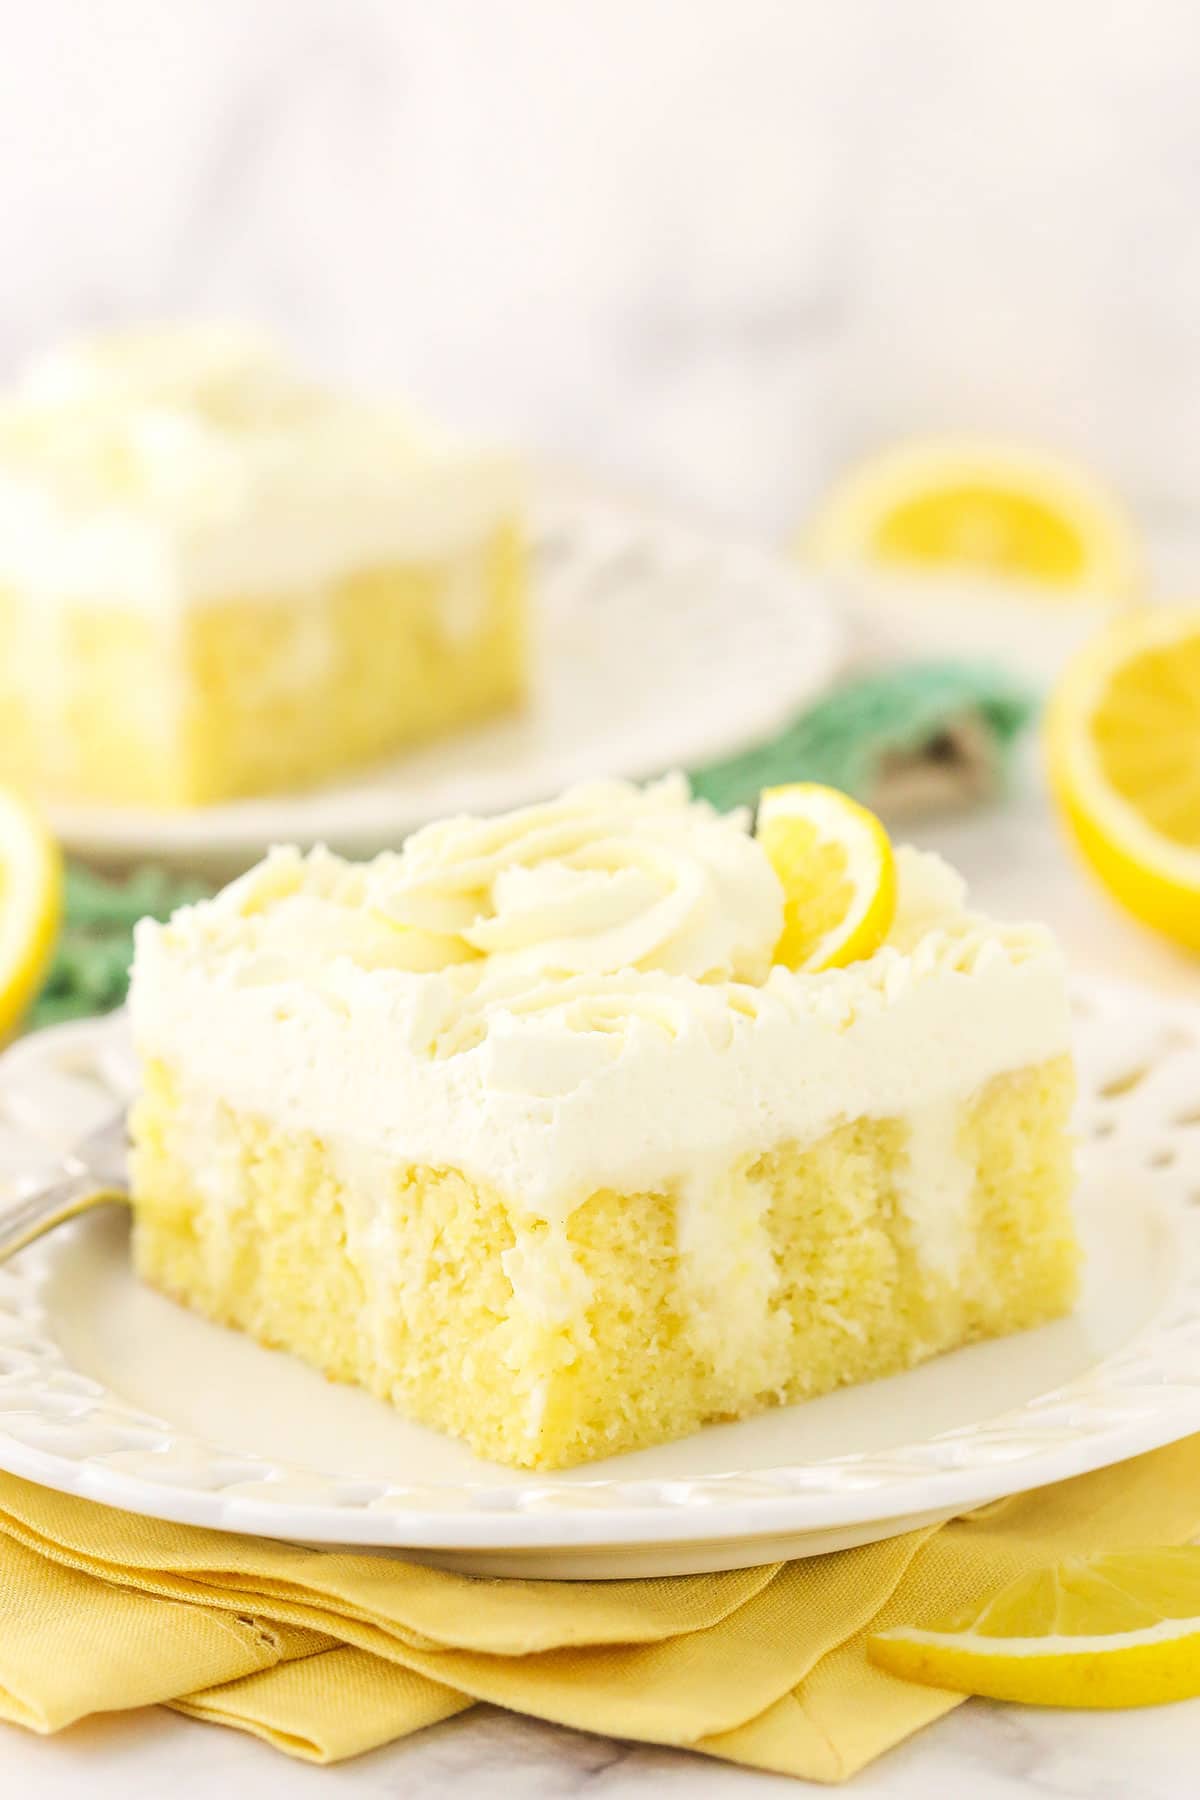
column 466, row 1002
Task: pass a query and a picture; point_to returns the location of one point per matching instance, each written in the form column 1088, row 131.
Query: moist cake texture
column 522, row 1129
column 201, row 553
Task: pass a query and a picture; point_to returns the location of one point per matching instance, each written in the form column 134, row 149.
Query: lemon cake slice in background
column 525, row 1128
column 219, row 579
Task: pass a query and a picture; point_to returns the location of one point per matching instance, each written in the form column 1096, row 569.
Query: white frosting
column 726, row 1249
column 609, row 878
column 160, row 467
column 580, row 996
column 936, row 1189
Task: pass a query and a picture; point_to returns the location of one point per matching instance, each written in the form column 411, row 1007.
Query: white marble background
column 710, row 245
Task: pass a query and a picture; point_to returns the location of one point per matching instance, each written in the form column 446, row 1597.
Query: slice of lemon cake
column 204, row 557
column 526, row 1128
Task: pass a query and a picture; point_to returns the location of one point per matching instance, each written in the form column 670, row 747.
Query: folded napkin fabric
column 906, row 741
column 328, row 1653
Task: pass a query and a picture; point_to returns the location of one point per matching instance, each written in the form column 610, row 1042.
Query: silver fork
column 94, row 1173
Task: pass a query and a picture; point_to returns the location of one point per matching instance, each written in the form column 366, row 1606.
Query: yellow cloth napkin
column 327, row 1654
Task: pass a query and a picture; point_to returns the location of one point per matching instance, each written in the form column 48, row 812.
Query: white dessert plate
column 112, row 1392
column 972, row 619
column 654, row 647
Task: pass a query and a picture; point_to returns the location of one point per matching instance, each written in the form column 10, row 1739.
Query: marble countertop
column 1016, row 864
column 813, row 228
column 983, row 1752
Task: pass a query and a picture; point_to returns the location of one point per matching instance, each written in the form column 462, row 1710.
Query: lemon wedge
column 1123, row 747
column 1119, row 1629
column 837, row 870
column 992, row 510
column 30, row 905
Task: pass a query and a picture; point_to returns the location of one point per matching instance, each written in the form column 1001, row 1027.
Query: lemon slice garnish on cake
column 838, row 874
column 1118, row 1629
column 1123, row 744
column 978, row 508
column 30, row 905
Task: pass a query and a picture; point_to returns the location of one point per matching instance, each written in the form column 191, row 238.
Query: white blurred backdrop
column 708, row 246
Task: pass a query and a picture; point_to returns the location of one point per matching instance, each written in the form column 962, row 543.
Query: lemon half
column 987, row 509
column 1123, row 746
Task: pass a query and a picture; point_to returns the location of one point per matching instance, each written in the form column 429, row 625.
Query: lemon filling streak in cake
column 522, row 1129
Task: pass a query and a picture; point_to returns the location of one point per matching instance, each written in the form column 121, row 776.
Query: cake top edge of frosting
column 195, row 420
column 611, row 889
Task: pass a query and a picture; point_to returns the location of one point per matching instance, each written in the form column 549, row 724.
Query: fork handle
column 73, row 1193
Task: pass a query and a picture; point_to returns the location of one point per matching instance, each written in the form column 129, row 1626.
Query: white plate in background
column 654, row 647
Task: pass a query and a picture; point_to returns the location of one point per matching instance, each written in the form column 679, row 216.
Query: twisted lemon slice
column 1120, row 1629
column 1123, row 742
column 835, row 863
column 963, row 506
column 30, row 905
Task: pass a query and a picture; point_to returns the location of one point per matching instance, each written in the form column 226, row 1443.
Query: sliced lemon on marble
column 1123, row 746
column 838, row 874
column 947, row 506
column 31, row 887
column 1119, row 1629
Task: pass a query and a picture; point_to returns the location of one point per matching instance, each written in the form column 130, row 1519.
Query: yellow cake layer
column 241, row 696
column 436, row 1294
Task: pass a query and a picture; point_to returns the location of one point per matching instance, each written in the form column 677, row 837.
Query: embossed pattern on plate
column 61, row 1424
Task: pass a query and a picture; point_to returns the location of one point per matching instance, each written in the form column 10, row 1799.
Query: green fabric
column 839, row 741
column 842, row 739
column 90, row 971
